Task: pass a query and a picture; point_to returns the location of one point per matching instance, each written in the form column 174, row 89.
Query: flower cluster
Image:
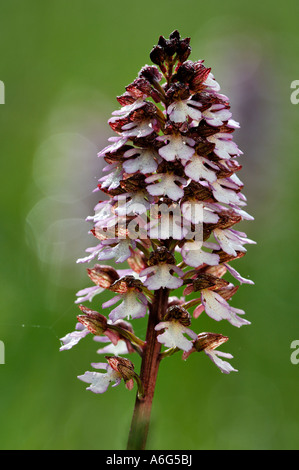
column 172, row 199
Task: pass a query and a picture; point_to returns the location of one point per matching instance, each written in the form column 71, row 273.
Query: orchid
column 171, row 201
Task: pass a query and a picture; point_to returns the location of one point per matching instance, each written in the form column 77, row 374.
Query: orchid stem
column 148, row 375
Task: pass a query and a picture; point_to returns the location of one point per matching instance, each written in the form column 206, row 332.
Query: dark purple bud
column 184, row 50
column 150, row 73
column 158, row 56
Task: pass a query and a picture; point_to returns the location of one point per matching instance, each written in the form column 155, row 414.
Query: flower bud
column 209, row 340
column 137, row 261
column 150, row 73
column 103, row 275
column 161, row 255
column 125, row 369
column 178, row 313
column 92, row 320
column 158, row 56
column 122, row 285
column 115, row 362
column 208, row 281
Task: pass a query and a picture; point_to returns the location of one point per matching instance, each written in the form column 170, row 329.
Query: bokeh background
column 63, row 63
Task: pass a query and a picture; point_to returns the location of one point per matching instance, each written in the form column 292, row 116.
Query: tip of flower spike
column 166, row 49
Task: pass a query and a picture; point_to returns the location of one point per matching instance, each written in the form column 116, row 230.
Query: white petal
column 224, row 366
column 173, row 335
column 224, row 195
column 219, row 309
column 176, row 148
column 196, row 170
column 116, row 349
column 167, row 186
column 194, row 255
column 228, row 242
column 211, row 83
column 179, row 111
column 131, row 307
column 145, row 162
column 88, row 294
column 139, row 103
column 237, row 276
column 100, row 382
column 71, row 339
column 224, row 146
column 112, row 180
column 134, row 129
column 120, row 252
column 163, row 278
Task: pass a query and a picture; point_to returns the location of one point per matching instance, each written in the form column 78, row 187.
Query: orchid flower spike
column 165, row 222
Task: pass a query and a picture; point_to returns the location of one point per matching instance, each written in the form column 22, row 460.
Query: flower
column 134, row 129
column 216, row 115
column 146, row 160
column 116, row 349
column 88, row 293
column 195, row 256
column 117, row 368
column 134, row 302
column 120, row 341
column 117, row 249
column 167, row 185
column 224, row 366
column 159, row 273
column 173, row 336
column 133, row 305
column 208, row 342
column 100, row 382
column 198, row 169
column 219, row 309
column 178, row 147
column 112, row 180
column 175, row 323
column 179, row 111
column 73, row 338
column 160, row 276
column 169, row 202
column 224, row 145
column 231, row 241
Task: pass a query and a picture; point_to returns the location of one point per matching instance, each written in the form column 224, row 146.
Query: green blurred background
column 63, row 63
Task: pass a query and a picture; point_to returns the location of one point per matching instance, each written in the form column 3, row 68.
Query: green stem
column 191, row 303
column 168, row 352
column 136, row 342
column 148, row 374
